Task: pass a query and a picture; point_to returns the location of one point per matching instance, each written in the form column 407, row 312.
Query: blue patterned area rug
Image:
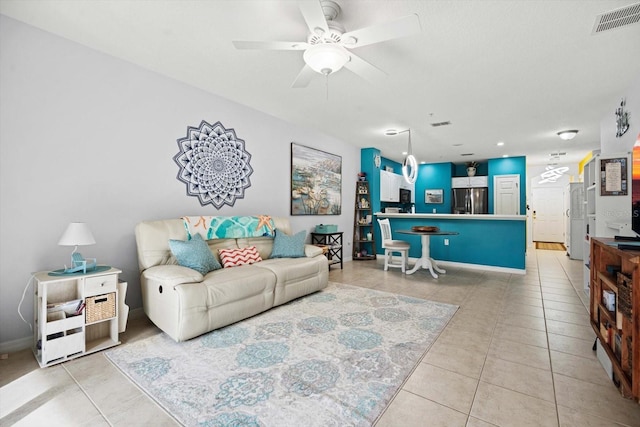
column 333, row 358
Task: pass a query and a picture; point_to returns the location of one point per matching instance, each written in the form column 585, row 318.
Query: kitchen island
column 486, row 241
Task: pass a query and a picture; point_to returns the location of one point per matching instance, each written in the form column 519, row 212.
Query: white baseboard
column 467, row 266
column 16, row 345
column 482, row 267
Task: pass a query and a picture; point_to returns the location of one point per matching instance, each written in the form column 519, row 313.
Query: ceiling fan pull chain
column 326, row 84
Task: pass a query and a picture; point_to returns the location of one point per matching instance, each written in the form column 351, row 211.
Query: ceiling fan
column 328, row 46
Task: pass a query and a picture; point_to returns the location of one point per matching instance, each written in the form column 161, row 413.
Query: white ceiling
column 511, row 71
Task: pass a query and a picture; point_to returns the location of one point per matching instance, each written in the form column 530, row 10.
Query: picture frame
column 613, row 177
column 316, row 181
column 433, row 195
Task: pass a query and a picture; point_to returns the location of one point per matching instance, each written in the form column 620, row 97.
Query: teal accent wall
column 434, row 176
column 496, row 243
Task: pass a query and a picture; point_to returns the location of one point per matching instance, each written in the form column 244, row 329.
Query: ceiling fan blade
column 313, row 16
column 401, row 27
column 304, row 77
column 370, row 73
column 270, row 45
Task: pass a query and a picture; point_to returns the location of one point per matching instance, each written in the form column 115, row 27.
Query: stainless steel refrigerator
column 470, row 200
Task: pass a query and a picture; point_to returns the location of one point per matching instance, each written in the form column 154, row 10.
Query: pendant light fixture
column 409, row 164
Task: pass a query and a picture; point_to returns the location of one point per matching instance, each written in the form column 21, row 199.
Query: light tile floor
column 517, row 353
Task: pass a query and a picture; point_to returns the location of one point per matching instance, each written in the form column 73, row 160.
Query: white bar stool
column 391, row 246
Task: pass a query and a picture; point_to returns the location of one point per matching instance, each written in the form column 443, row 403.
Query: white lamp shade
column 326, row 58
column 77, row 234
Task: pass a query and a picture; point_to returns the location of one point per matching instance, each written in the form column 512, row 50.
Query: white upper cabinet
column 469, row 181
column 389, row 187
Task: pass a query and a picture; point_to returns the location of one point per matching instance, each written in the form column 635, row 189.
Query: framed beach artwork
column 433, row 196
column 316, row 181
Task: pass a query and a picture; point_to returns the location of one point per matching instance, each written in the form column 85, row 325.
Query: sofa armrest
column 171, row 275
column 311, row 250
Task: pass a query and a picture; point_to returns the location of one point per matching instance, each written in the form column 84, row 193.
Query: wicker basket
column 625, row 284
column 100, row 307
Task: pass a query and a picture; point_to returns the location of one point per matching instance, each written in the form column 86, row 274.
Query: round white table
column 425, row 261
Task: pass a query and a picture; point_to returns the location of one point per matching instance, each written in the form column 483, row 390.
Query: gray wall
column 87, row 137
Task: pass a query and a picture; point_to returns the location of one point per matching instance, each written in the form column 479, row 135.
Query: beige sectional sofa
column 184, row 303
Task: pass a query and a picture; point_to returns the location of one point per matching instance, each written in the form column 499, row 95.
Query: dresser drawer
column 98, row 285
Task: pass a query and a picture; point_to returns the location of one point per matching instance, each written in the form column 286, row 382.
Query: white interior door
column 548, row 216
column 506, row 200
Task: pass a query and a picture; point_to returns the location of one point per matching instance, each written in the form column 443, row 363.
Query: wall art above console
column 213, row 164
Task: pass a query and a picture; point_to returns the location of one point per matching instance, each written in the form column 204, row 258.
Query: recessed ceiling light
column 567, row 134
column 500, row 144
column 505, row 155
column 467, row 154
column 404, row 153
column 390, row 132
column 457, row 145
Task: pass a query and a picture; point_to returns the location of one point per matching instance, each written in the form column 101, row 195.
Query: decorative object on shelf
column 409, row 164
column 622, row 119
column 433, row 196
column 566, row 135
column 364, row 245
column 362, row 176
column 316, row 181
column 471, row 168
column 213, row 164
column 78, row 234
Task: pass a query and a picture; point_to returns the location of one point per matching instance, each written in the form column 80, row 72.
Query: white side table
column 75, row 314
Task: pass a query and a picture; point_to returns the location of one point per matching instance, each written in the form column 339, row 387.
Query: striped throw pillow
column 236, row 257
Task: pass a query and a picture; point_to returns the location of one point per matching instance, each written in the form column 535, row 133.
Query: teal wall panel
column 434, row 176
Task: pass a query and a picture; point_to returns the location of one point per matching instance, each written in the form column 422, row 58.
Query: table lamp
column 77, row 234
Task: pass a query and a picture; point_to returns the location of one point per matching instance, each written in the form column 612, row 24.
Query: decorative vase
column 471, row 171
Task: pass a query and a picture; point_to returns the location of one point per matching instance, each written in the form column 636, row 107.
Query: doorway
column 507, row 195
column 547, row 214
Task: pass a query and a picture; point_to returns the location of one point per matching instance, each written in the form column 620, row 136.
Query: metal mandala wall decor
column 213, row 164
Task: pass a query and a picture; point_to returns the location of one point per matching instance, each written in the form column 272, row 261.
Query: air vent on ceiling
column 467, row 154
column 617, row 18
column 563, row 153
column 435, row 125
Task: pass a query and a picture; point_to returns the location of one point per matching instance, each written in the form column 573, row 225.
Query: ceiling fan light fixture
column 326, row 58
column 567, row 134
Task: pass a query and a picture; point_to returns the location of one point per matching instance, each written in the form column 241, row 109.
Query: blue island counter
column 489, row 242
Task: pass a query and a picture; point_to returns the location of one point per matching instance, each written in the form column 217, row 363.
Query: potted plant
column 471, row 168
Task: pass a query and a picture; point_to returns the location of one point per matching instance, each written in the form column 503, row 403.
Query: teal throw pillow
column 195, row 254
column 288, row 246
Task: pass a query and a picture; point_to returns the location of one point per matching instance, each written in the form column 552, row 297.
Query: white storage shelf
column 605, row 216
column 61, row 331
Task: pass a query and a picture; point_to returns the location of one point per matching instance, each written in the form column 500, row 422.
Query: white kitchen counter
column 490, row 217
